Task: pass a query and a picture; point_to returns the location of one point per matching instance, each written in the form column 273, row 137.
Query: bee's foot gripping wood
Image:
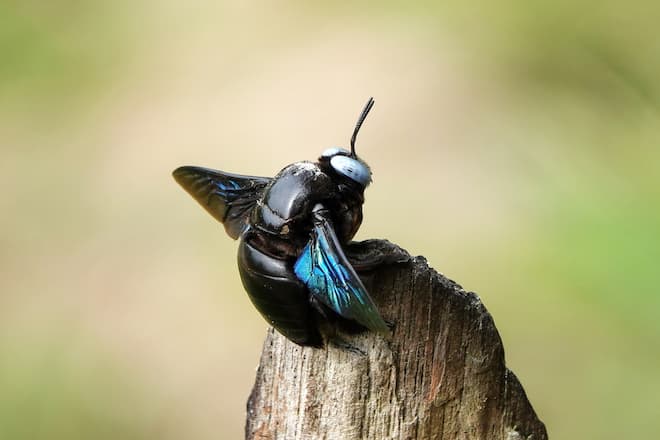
column 441, row 376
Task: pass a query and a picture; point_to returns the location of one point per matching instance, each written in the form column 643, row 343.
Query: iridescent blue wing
column 326, row 272
column 229, row 198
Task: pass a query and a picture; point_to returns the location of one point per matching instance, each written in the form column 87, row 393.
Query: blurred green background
column 515, row 144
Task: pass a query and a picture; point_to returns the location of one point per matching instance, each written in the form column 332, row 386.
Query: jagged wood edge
column 441, row 376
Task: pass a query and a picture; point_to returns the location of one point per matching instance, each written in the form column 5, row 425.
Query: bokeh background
column 515, row 144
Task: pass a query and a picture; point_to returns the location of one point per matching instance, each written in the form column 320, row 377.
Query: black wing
column 229, row 198
column 326, row 272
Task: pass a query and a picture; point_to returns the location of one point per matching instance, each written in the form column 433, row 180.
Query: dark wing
column 229, row 198
column 326, row 272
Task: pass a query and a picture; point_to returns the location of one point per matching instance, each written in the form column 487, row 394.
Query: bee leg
column 368, row 255
column 331, row 325
column 341, row 343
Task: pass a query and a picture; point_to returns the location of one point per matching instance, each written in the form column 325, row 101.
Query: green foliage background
column 515, row 144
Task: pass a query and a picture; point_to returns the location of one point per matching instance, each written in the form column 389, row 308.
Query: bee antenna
column 363, row 115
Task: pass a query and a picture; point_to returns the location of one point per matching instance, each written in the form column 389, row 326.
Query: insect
column 292, row 231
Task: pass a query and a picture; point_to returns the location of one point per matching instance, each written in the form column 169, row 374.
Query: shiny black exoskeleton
column 293, row 229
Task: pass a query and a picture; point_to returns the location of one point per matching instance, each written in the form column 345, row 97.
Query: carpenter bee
column 293, row 230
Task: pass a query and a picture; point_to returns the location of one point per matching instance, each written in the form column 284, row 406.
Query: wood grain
column 441, row 376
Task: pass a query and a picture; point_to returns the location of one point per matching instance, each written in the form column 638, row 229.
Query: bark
column 441, row 376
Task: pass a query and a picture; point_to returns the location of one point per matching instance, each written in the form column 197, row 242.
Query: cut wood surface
column 441, row 376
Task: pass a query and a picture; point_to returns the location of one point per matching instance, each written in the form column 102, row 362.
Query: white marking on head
column 354, row 169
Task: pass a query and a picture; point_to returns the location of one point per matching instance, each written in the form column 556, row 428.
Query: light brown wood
column 441, row 376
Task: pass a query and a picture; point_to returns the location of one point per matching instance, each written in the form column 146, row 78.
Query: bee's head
column 339, row 161
column 346, row 163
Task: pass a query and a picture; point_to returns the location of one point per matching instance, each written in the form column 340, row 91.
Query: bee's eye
column 353, row 169
column 334, row 151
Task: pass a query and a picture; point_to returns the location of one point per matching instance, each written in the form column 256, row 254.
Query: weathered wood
column 441, row 376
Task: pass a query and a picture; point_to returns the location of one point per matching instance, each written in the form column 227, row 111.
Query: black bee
column 292, row 231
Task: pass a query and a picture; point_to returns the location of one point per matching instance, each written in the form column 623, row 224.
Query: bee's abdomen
column 278, row 295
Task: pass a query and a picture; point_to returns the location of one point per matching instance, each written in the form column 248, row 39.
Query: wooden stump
column 441, row 376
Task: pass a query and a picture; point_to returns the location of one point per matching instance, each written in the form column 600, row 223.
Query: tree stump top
column 441, row 376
